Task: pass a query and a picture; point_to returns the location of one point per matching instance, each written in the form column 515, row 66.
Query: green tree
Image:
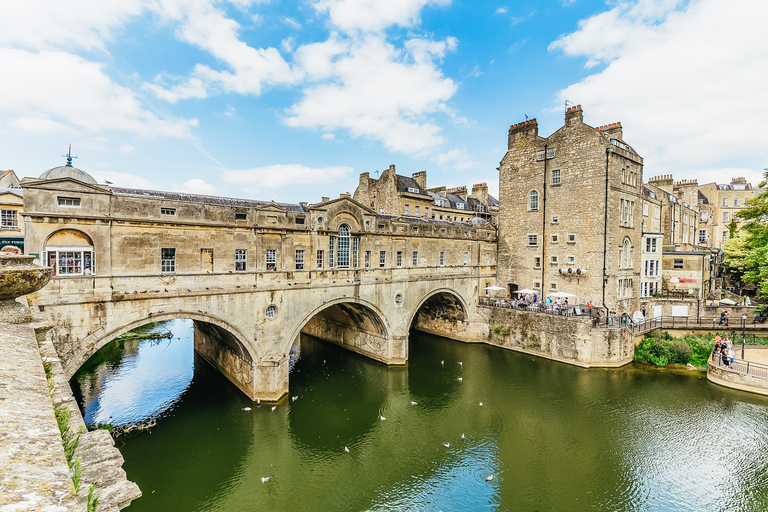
column 746, row 253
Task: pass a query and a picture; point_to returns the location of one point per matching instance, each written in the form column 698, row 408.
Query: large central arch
column 353, row 323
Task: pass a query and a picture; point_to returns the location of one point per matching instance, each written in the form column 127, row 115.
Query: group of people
column 723, row 352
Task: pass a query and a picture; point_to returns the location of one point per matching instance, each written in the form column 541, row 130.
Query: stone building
column 569, row 216
column 11, row 203
column 727, row 200
column 650, row 245
column 83, row 228
column 393, row 194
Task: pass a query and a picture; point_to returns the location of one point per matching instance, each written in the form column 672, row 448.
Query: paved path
column 755, row 354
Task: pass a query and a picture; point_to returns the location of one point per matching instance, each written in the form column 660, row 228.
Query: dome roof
column 477, row 221
column 67, row 171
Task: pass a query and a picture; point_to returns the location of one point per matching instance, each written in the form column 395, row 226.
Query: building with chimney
column 570, row 217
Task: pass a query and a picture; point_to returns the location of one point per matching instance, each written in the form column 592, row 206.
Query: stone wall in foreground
column 569, row 340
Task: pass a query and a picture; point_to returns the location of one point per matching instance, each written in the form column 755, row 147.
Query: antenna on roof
column 69, row 156
column 377, row 174
column 526, row 116
column 567, row 102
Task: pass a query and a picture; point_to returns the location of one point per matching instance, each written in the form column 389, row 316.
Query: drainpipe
column 605, row 230
column 544, row 224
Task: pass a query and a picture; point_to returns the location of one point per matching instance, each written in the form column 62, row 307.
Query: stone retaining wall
column 566, row 339
column 736, row 380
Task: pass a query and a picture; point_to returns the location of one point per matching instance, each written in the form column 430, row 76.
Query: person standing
column 726, row 319
column 589, row 307
column 717, row 349
column 731, row 352
column 724, row 357
column 611, row 316
column 722, row 317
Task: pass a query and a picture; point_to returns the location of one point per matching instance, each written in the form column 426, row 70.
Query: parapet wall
column 565, row 339
column 736, row 380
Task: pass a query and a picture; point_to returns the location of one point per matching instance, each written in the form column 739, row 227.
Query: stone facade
column 569, row 218
column 393, row 194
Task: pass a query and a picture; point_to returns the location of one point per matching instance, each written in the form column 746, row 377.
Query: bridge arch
column 220, row 343
column 351, row 322
column 443, row 312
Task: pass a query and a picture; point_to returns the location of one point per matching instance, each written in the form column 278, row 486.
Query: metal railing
column 742, row 366
column 537, row 307
column 702, row 322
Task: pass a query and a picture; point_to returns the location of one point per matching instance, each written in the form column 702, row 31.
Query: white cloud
column 376, row 90
column 373, row 15
column 196, row 186
column 328, row 136
column 687, row 80
column 126, row 148
column 207, row 27
column 279, row 175
column 75, row 24
column 501, row 10
column 457, row 158
column 191, row 88
column 84, row 98
column 291, row 22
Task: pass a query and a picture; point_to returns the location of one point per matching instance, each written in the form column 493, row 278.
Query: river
column 427, row 437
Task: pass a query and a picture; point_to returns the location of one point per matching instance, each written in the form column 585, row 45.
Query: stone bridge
column 252, row 275
column 246, row 324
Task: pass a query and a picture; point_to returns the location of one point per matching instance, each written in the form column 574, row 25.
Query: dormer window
column 171, row 212
column 413, row 190
column 460, row 206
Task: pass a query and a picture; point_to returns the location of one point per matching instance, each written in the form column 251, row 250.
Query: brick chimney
column 574, row 115
column 480, row 192
column 613, row 130
column 526, row 129
column 459, row 191
column 421, row 178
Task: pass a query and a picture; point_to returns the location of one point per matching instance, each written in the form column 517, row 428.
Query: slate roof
column 194, row 198
column 404, row 183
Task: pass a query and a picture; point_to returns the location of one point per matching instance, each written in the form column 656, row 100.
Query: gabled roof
column 199, row 199
column 492, row 201
column 324, row 204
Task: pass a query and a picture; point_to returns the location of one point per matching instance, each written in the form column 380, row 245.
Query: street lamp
column 743, row 336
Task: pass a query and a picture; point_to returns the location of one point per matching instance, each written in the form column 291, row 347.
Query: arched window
column 533, row 201
column 69, row 252
column 625, row 255
column 342, row 258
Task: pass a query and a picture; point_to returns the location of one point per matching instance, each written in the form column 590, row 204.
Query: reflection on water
column 554, row 437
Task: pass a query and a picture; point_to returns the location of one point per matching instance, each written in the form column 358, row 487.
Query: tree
column 746, row 253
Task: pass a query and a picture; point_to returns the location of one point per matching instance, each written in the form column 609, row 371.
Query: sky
column 292, row 100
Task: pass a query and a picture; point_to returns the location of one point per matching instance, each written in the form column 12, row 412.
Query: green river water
column 554, row 437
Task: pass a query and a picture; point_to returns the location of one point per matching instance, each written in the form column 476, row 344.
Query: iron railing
column 742, row 366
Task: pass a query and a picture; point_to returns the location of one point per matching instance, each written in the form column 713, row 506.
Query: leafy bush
column 680, row 352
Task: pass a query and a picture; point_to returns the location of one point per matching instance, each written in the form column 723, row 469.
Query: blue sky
column 291, row 101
